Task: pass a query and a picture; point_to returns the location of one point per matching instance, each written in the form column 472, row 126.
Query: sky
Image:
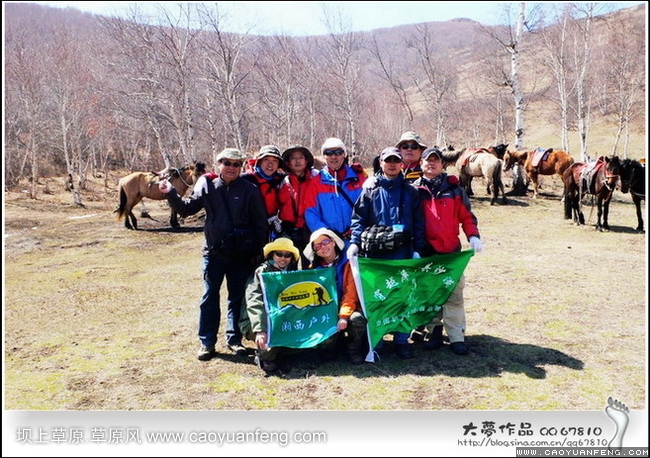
column 306, row 18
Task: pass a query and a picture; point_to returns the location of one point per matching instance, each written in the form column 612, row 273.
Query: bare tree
column 344, row 79
column 511, row 43
column 623, row 78
column 226, row 71
column 440, row 83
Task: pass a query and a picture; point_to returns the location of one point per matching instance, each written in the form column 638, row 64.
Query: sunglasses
column 409, row 146
column 392, row 160
column 330, row 152
column 325, row 242
column 281, row 254
column 230, row 164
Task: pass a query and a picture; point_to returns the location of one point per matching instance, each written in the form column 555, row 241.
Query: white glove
column 353, row 250
column 277, row 224
column 476, row 244
column 416, row 255
column 165, row 186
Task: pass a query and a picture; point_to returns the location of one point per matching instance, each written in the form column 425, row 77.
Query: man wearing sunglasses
column 332, row 193
column 410, row 146
column 235, row 231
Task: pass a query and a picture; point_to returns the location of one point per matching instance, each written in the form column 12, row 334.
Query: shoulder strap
column 345, row 196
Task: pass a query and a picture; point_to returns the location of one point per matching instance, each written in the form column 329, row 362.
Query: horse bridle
column 608, row 177
column 180, row 176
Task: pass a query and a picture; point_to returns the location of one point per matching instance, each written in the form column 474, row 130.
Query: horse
column 137, row 185
column 539, row 162
column 499, row 150
column 480, row 164
column 599, row 179
column 632, row 180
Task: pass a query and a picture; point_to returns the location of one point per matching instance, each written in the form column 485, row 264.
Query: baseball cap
column 429, row 151
column 388, row 152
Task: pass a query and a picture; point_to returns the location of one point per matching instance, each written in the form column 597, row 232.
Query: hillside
column 290, row 91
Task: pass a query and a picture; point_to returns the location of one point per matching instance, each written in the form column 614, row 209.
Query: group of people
column 283, row 214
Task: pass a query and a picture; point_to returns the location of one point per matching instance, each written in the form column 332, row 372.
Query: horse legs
column 639, row 217
column 130, row 221
column 534, row 177
column 603, row 211
column 173, row 220
column 503, row 193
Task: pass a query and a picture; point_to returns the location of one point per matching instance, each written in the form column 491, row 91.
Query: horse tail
column 497, row 176
column 121, row 210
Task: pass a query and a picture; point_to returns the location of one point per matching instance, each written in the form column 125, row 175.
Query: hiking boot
column 356, row 358
column 238, row 349
column 206, row 353
column 418, row 334
column 404, row 351
column 266, row 366
column 459, row 348
column 435, row 339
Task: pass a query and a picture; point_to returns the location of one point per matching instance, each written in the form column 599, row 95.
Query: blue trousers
column 236, row 272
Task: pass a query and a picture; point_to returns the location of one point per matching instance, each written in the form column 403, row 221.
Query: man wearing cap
column 332, row 193
column 266, row 175
column 446, row 209
column 389, row 203
column 235, row 231
column 299, row 165
column 410, row 146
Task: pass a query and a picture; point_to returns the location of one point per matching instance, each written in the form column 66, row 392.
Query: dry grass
column 98, row 317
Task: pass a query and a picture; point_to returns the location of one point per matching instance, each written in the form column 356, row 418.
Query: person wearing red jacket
column 446, row 209
column 299, row 166
column 267, row 176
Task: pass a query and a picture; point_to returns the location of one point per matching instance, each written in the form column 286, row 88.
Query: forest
column 85, row 94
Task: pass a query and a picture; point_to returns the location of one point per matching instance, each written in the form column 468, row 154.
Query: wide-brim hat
column 231, row 153
column 282, row 244
column 410, row 136
column 269, row 151
column 309, row 250
column 286, row 154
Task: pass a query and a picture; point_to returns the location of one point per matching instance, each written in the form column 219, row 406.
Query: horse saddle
column 589, row 173
column 469, row 155
column 539, row 155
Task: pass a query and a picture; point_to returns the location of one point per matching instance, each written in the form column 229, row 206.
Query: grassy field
column 98, row 317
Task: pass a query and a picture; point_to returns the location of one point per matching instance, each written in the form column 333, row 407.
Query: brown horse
column 539, row 162
column 137, row 185
column 480, row 164
column 599, row 179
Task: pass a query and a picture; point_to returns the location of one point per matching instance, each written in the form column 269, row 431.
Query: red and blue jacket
column 446, row 209
column 330, row 196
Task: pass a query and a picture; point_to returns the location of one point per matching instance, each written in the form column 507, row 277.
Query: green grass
column 101, row 318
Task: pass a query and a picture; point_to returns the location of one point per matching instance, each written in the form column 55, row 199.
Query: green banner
column 398, row 295
column 302, row 306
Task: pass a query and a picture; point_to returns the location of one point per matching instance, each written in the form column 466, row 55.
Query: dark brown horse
column 632, row 180
column 599, row 179
column 539, row 162
column 137, row 185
